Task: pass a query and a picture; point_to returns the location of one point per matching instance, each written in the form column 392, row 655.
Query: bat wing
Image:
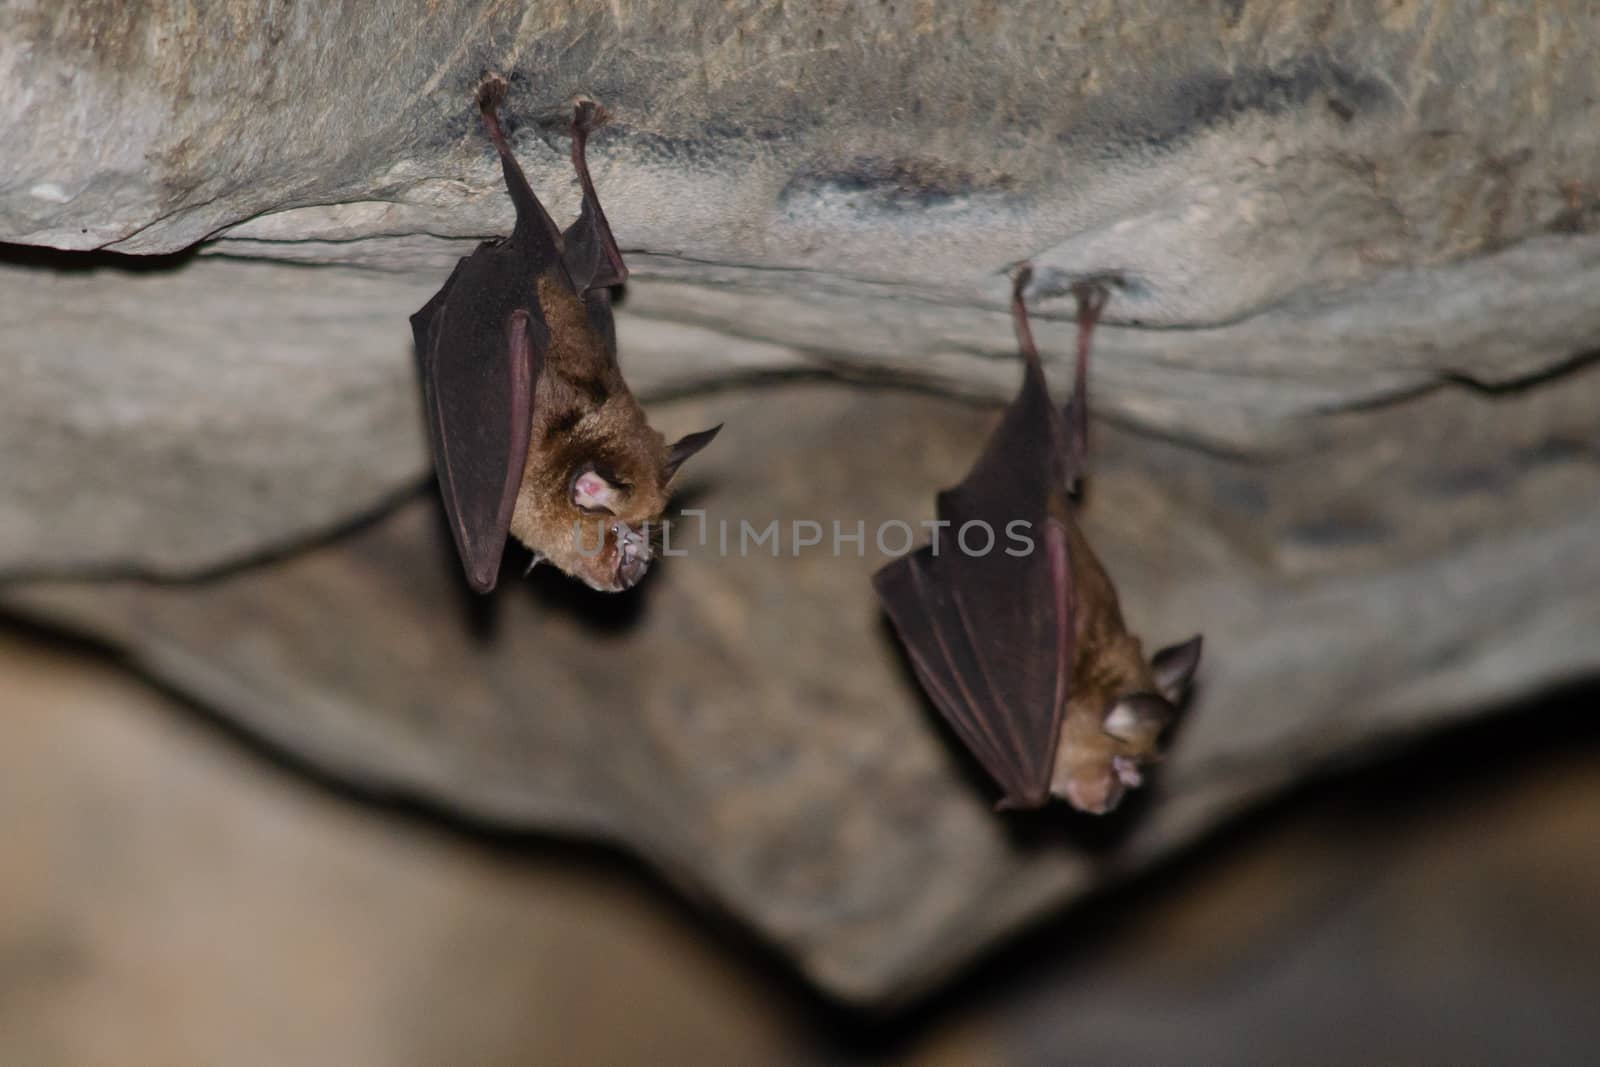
column 480, row 346
column 988, row 625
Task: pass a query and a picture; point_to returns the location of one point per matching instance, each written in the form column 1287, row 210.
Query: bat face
column 1111, row 731
column 534, row 431
column 1120, row 702
column 1027, row 656
column 593, row 495
column 591, row 513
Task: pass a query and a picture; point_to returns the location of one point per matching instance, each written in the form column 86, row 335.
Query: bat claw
column 1019, row 313
column 491, row 90
column 1020, row 280
column 1092, row 296
column 588, row 115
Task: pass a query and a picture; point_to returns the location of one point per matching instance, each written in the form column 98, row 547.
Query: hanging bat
column 534, row 431
column 1026, row 654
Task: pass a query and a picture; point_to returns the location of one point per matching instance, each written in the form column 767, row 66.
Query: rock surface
column 745, row 722
column 174, row 900
column 1357, row 254
column 1308, row 209
column 173, row 420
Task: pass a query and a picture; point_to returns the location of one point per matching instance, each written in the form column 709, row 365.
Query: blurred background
column 172, row 894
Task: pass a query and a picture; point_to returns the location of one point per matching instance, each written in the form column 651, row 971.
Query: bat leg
column 1091, row 298
column 1019, row 313
column 533, row 221
column 609, row 269
column 1073, row 445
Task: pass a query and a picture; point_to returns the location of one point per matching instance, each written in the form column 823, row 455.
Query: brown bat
column 534, row 431
column 1024, row 651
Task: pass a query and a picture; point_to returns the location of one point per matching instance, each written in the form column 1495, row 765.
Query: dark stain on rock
column 711, row 146
column 666, row 150
column 1240, row 496
column 1581, row 213
column 1557, row 448
column 899, row 184
column 1232, row 12
column 1349, row 530
column 1192, row 104
column 1498, row 477
column 1463, row 480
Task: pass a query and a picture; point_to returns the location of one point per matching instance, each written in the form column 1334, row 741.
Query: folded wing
column 480, row 346
column 986, row 614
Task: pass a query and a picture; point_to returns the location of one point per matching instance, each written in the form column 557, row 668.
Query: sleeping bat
column 534, row 432
column 1025, row 653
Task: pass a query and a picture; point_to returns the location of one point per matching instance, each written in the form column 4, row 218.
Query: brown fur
column 584, row 414
column 1108, row 663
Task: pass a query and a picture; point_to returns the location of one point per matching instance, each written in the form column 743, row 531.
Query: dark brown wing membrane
column 480, row 355
column 988, row 617
column 480, row 346
column 955, row 655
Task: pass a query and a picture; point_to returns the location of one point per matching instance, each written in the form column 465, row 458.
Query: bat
column 533, row 429
column 1023, row 649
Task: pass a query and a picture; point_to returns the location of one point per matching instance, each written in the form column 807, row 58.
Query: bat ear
column 1139, row 718
column 684, row 447
column 593, row 491
column 1174, row 665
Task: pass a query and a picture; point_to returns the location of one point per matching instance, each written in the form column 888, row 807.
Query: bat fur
column 535, row 433
column 1031, row 661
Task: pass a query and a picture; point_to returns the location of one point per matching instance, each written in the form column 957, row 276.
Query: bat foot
column 1020, row 279
column 1091, row 296
column 588, row 115
column 491, row 91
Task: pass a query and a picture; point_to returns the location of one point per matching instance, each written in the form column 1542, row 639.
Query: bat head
column 1101, row 756
column 595, row 512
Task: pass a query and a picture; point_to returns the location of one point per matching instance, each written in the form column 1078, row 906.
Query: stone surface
column 1309, row 208
column 174, row 420
column 1350, row 353
column 1226, row 159
column 746, row 724
column 173, row 900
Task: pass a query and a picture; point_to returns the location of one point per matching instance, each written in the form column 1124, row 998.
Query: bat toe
column 492, row 90
column 588, row 115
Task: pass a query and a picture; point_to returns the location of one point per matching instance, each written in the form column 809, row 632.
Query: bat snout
column 1127, row 771
column 632, row 557
column 1097, row 793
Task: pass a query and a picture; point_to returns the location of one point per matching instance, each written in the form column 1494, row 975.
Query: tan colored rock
column 745, row 722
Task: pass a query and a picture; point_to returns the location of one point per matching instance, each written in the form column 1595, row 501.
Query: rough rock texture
column 745, row 722
column 1317, row 214
column 1310, row 206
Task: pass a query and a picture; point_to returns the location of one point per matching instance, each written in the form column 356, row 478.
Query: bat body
column 1025, row 653
column 534, row 431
